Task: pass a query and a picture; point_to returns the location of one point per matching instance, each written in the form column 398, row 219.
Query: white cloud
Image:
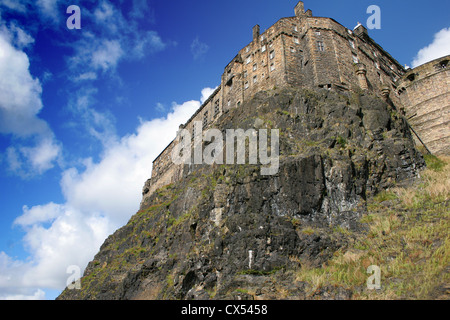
column 114, row 184
column 198, row 49
column 38, row 295
column 20, row 100
column 31, row 161
column 15, row 5
column 20, row 104
column 86, row 76
column 49, row 8
column 107, row 55
column 99, row 199
column 39, row 214
column 112, row 38
column 438, row 48
column 206, row 93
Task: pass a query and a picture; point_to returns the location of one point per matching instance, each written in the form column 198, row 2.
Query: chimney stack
column 256, row 31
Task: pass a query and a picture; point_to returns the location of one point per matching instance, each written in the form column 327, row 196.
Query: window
column 271, row 45
column 249, row 59
column 247, row 49
column 272, row 55
column 205, row 119
column 263, row 48
column 245, row 74
column 262, row 37
column 296, row 40
column 292, row 49
column 411, row 77
column 376, row 65
column 272, row 67
column 320, row 46
column 255, row 66
column 355, row 58
column 352, row 43
column 246, row 85
column 229, row 103
column 255, row 79
column 295, row 28
column 317, row 32
column 216, row 108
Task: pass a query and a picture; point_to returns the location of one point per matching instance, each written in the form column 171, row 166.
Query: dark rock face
column 228, row 232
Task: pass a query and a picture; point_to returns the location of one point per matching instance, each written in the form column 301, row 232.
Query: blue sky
column 83, row 113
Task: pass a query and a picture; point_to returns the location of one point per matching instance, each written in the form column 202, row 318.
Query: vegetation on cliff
column 343, row 199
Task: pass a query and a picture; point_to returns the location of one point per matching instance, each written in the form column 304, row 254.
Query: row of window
column 271, row 57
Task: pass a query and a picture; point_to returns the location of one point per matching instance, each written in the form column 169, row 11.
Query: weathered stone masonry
column 299, row 51
column 424, row 91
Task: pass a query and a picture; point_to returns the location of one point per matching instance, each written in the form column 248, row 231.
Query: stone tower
column 425, row 94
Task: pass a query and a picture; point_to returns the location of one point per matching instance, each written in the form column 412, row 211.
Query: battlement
column 299, row 51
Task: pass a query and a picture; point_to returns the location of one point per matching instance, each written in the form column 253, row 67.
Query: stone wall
column 299, row 51
column 424, row 92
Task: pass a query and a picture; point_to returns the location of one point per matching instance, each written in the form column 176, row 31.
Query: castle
column 318, row 52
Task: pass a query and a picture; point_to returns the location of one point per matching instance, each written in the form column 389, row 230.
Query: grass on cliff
column 407, row 237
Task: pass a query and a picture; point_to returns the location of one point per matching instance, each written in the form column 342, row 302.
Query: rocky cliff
column 226, row 227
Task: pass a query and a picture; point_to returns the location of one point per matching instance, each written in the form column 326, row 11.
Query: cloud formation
column 20, row 105
column 99, row 199
column 439, row 47
column 198, row 49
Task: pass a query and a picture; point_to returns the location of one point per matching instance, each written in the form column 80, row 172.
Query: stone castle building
column 313, row 52
column 424, row 91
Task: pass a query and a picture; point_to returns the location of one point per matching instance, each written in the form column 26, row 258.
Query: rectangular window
column 205, row 119
column 292, row 49
column 255, row 66
column 246, row 85
column 355, row 58
column 352, row 43
column 263, row 49
column 229, row 102
column 216, row 108
column 255, row 79
column 272, row 67
column 317, row 32
column 272, row 55
column 376, row 65
column 262, row 37
column 295, row 28
column 247, row 49
column 320, row 46
column 296, row 40
column 249, row 59
column 245, row 74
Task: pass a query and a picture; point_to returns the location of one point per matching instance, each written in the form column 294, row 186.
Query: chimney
column 256, row 33
column 299, row 9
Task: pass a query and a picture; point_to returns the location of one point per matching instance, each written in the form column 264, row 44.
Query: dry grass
column 409, row 241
